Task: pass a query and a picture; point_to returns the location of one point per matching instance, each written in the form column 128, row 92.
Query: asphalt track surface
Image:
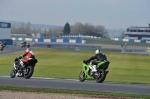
column 76, row 85
column 72, row 84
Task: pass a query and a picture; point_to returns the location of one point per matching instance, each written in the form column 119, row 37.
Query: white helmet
column 98, row 51
column 28, row 49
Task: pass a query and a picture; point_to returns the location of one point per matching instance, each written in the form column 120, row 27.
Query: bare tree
column 77, row 28
column 89, row 27
column 38, row 30
column 28, row 28
column 13, row 30
column 101, row 30
column 21, row 29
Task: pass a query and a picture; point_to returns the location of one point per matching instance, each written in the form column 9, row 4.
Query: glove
column 85, row 61
column 20, row 57
column 16, row 59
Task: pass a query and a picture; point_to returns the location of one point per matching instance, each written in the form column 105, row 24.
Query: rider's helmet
column 98, row 51
column 28, row 50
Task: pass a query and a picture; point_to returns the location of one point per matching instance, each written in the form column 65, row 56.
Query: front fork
column 16, row 69
column 15, row 66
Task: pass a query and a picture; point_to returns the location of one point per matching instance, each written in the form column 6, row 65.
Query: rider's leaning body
column 28, row 54
column 97, row 58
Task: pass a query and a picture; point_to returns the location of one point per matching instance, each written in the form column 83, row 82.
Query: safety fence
column 130, row 40
column 135, row 49
column 51, row 40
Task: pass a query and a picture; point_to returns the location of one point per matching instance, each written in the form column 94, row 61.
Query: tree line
column 77, row 28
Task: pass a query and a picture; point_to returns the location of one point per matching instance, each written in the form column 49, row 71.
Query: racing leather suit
column 28, row 55
column 97, row 58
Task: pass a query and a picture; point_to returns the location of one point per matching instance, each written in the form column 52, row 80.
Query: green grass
column 113, row 42
column 124, row 68
column 83, row 93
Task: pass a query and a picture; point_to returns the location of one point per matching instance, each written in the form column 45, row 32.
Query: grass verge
column 55, row 63
column 112, row 42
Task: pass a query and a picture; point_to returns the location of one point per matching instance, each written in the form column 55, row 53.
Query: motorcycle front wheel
column 82, row 76
column 100, row 76
column 12, row 73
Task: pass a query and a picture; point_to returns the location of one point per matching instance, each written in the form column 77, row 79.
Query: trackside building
column 137, row 33
column 5, row 33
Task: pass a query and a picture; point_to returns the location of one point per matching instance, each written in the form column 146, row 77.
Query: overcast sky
column 113, row 14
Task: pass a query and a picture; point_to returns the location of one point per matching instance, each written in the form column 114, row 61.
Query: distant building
column 5, row 30
column 5, row 33
column 135, row 32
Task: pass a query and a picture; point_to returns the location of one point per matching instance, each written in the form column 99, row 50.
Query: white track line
column 46, row 78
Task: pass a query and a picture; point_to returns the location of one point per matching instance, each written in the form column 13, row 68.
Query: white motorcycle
column 25, row 71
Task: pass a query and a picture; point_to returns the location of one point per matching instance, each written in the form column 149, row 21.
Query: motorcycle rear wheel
column 82, row 76
column 12, row 73
column 100, row 76
column 29, row 72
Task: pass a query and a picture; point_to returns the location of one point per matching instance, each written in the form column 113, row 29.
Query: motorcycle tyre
column 102, row 76
column 30, row 72
column 82, row 79
column 12, row 73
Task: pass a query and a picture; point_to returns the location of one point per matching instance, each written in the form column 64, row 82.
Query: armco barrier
column 8, row 41
column 130, row 40
column 51, row 40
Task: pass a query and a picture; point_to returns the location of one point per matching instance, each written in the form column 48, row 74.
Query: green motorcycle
column 99, row 76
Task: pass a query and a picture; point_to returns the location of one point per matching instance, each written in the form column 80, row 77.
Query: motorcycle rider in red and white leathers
column 27, row 56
